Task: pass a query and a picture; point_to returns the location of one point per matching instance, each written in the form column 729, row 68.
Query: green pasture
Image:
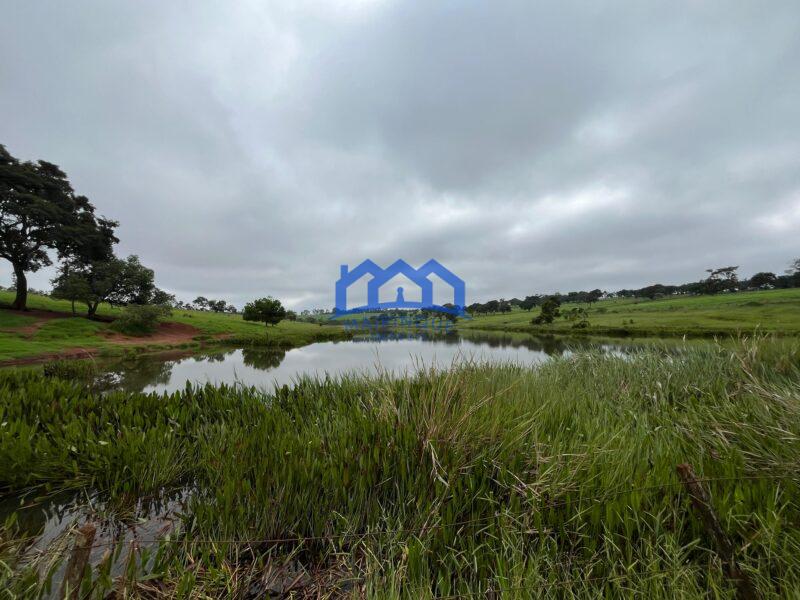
column 58, row 335
column 775, row 311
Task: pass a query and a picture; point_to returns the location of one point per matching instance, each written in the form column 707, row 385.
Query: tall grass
column 557, row 481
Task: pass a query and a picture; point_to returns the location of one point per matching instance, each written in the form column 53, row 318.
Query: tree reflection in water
column 135, row 374
column 262, row 359
column 403, row 348
column 549, row 344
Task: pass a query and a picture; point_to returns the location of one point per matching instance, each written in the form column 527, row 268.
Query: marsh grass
column 555, row 481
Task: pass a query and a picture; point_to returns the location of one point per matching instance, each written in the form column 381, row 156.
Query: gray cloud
column 251, row 148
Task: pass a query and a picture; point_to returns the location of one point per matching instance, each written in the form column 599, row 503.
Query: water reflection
column 126, row 524
column 46, row 518
column 392, row 351
column 259, row 359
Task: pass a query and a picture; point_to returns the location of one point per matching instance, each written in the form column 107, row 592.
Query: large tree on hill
column 40, row 212
column 114, row 280
column 265, row 310
column 721, row 279
column 763, row 279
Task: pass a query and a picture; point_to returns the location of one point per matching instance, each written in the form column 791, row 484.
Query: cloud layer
column 250, row 148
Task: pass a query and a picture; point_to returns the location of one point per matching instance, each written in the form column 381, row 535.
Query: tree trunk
column 21, row 300
column 92, row 308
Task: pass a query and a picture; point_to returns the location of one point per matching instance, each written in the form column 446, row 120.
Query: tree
column 530, row 301
column 720, row 280
column 70, row 286
column 793, row 273
column 217, row 306
column 114, row 280
column 39, row 211
column 267, row 310
column 594, row 296
column 201, row 302
column 550, row 310
column 163, row 298
column 763, row 279
column 578, row 317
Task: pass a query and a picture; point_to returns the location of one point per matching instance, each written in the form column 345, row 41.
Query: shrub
column 140, row 319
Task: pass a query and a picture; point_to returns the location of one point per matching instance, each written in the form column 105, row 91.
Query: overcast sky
column 250, row 148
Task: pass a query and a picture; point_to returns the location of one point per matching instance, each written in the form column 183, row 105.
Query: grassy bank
column 776, row 311
column 25, row 336
column 550, row 482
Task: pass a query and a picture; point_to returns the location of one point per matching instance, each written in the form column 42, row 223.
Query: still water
column 393, row 353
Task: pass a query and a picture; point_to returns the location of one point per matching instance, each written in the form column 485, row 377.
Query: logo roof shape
column 399, row 267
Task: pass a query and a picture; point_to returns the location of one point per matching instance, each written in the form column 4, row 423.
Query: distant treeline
column 720, row 280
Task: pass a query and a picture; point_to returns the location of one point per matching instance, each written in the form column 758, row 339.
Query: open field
column 50, row 330
column 776, row 311
column 551, row 482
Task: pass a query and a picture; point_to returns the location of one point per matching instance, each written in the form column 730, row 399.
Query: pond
column 396, row 353
column 131, row 523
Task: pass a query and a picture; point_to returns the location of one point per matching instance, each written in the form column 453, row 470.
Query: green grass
column 776, row 311
column 68, row 334
column 557, row 481
column 53, row 337
column 10, row 320
column 36, row 301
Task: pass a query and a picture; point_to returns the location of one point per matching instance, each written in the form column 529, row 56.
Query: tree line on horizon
column 718, row 280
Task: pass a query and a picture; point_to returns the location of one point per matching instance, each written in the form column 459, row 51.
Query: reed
column 555, row 481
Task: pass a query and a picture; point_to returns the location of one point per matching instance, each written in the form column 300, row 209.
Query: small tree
column 71, row 286
column 267, row 310
column 201, row 302
column 550, row 310
column 578, row 317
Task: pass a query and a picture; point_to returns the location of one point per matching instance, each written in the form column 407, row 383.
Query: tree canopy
column 267, row 310
column 113, row 280
column 550, row 310
column 40, row 212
